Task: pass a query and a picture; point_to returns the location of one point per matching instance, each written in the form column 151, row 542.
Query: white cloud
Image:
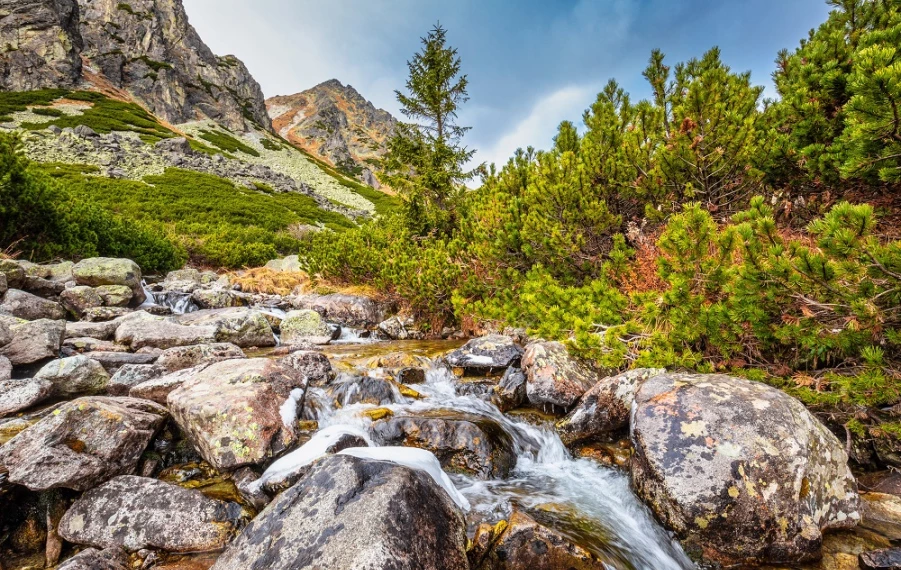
column 538, row 128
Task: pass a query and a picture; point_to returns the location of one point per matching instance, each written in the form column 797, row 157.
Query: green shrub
column 44, row 219
column 227, row 142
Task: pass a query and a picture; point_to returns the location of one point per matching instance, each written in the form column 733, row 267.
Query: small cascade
column 593, row 496
column 357, row 336
column 177, row 302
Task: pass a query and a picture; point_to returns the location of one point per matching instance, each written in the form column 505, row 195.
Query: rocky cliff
column 335, row 122
column 145, row 48
column 39, row 44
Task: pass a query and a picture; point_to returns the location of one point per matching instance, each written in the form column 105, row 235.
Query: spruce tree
column 426, row 158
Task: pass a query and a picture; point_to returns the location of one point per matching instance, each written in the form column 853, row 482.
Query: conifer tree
column 426, row 158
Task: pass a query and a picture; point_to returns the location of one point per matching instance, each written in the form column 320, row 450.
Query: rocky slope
column 335, row 122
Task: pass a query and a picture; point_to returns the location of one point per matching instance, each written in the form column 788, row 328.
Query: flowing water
column 589, row 503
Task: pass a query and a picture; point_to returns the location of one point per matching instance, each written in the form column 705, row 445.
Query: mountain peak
column 335, row 122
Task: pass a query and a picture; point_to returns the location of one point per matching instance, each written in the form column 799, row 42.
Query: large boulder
column 82, row 443
column 240, row 326
column 74, row 375
column 741, row 472
column 137, row 512
column 158, row 389
column 605, row 408
column 486, row 354
column 355, row 513
column 21, row 394
column 98, row 271
column 346, row 310
column 31, row 307
column 462, row 442
column 143, row 330
column 216, row 298
column 181, row 357
column 6, row 336
column 305, row 326
column 553, row 377
column 56, row 272
column 3, row 285
column 79, row 299
column 34, row 341
column 239, row 412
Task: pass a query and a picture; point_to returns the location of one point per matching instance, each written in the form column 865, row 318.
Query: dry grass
column 271, row 282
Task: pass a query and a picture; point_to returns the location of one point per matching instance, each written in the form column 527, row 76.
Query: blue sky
column 531, row 64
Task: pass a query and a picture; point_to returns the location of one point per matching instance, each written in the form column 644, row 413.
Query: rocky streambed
column 191, row 425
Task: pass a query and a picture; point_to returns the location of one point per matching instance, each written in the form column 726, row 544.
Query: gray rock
column 394, row 329
column 79, row 299
column 34, row 341
column 111, row 361
column 216, row 298
column 101, row 314
column 13, row 271
column 231, row 411
column 289, row 263
column 86, row 132
column 305, row 326
column 883, row 559
column 3, row 285
column 158, row 389
column 56, row 272
column 347, row 513
column 510, row 392
column 75, row 375
column 177, row 145
column 481, row 355
column 553, row 377
column 312, row 365
column 605, row 408
column 42, row 287
column 143, row 330
column 6, row 368
column 137, row 512
column 93, row 559
column 100, row 331
column 463, row 442
column 98, row 271
column 346, row 310
column 740, row 471
column 82, row 443
column 18, row 395
column 115, row 295
column 240, row 326
column 6, row 336
column 182, row 357
column 130, row 375
column 30, row 307
column 88, row 344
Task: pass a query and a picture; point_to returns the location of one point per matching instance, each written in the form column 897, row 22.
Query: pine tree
column 426, row 158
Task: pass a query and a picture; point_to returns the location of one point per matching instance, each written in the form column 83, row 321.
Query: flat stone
column 98, row 271
column 98, row 330
column 93, row 559
column 137, row 512
column 75, row 375
column 240, row 326
column 885, row 559
column 485, row 354
column 131, row 375
column 182, row 357
column 143, row 330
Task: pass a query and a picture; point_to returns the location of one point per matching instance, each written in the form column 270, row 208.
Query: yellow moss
column 378, row 414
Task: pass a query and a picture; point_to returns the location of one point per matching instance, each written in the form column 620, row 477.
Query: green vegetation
column 270, row 145
column 691, row 230
column 213, row 220
column 15, row 102
column 154, row 65
column 105, row 115
column 227, row 142
column 44, row 219
column 425, row 158
column 47, row 112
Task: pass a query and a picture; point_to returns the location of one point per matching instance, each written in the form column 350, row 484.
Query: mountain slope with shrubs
column 704, row 228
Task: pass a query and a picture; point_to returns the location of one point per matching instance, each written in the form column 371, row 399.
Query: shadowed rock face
column 354, row 513
column 45, row 42
column 486, row 354
column 463, row 443
column 553, row 377
column 137, row 512
column 742, row 472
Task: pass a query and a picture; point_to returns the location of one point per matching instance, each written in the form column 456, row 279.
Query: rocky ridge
column 335, row 122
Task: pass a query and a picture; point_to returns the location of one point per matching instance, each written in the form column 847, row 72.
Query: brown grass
column 271, row 282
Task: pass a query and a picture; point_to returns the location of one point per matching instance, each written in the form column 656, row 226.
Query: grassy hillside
column 213, row 219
